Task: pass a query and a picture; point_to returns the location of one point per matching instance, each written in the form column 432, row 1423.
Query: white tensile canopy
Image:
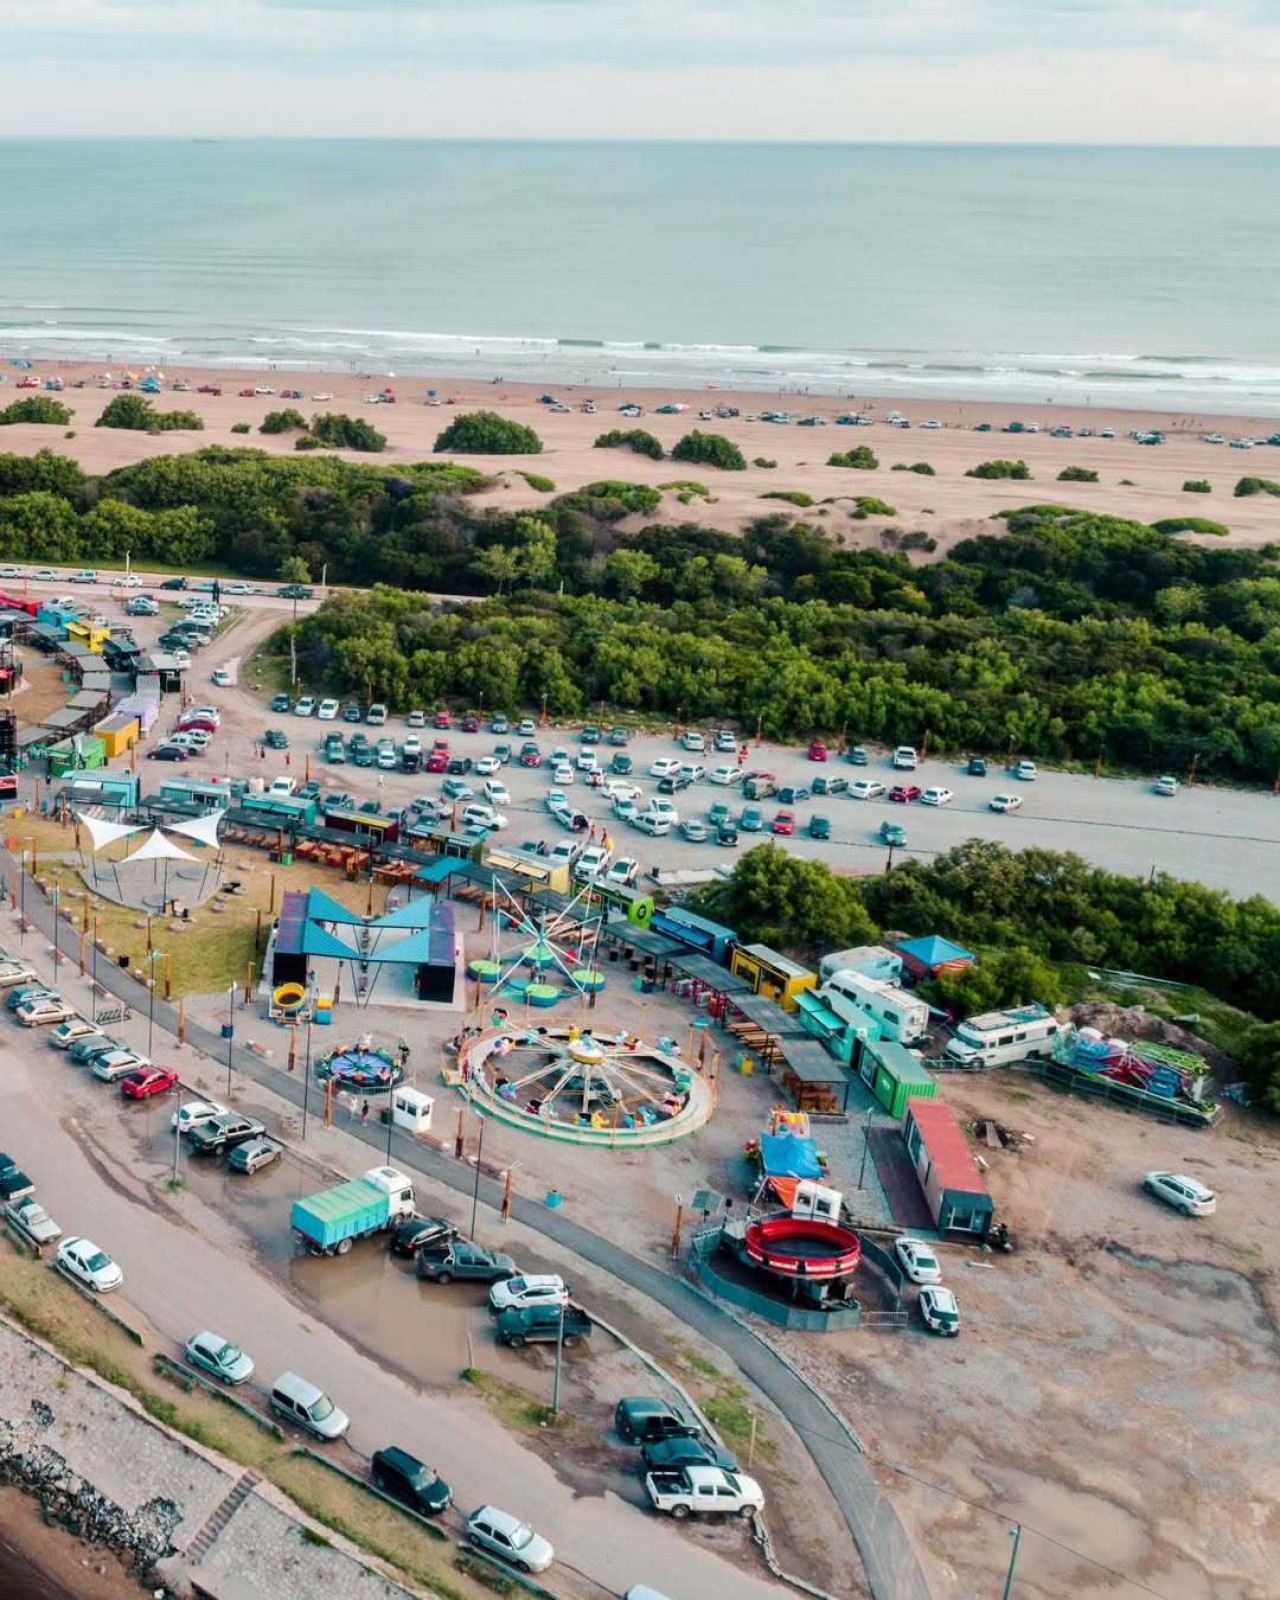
column 204, row 830
column 102, row 833
column 158, row 848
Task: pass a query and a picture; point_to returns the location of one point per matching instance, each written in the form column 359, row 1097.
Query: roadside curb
column 129, row 1331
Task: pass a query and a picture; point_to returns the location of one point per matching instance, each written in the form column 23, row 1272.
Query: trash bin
column 228, row 1031
column 286, row 859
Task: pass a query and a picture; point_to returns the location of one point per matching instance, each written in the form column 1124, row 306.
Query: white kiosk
column 411, row 1110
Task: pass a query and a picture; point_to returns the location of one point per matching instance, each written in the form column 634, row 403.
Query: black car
column 174, row 583
column 167, row 752
column 459, row 765
column 819, row 828
column 621, row 765
column 14, row 1183
column 445, row 1262
column 521, row 1325
column 294, row 591
column 212, row 1138
column 687, row 1450
column 977, row 767
column 642, row 1420
column 789, row 795
column 674, row 784
column 410, row 1481
column 590, row 734
column 414, row 1233
column 351, row 712
column 727, row 836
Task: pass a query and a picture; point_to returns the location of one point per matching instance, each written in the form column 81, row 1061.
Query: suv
column 412, row 1234
column 458, row 1259
column 410, row 1481
column 642, row 1420
column 530, row 1289
column 523, row 1325
column 687, row 1450
column 224, row 1133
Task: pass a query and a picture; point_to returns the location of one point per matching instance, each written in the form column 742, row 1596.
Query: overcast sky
column 1159, row 71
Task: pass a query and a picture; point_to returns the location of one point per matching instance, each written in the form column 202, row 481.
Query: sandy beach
column 1137, row 481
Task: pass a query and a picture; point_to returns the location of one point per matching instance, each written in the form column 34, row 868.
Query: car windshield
column 521, row 1536
column 97, row 1261
column 228, row 1355
column 925, row 1259
column 517, row 1286
column 323, row 1408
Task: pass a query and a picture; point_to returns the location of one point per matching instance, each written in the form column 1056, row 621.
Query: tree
column 789, row 903
column 709, row 449
column 293, row 569
column 498, row 564
column 36, row 408
column 1077, row 475
column 627, row 573
column 485, row 433
column 1008, row 977
column 1259, row 1059
column 344, row 433
column 286, row 421
column 135, row 412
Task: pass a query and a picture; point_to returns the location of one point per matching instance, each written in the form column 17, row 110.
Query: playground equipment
column 552, row 958
column 360, row 1069
column 288, row 1005
column 808, row 1244
column 582, row 1087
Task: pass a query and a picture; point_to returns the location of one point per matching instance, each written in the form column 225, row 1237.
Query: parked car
column 641, row 1419
column 14, row 1183
column 529, row 1289
column 149, row 1081
column 117, row 1064
column 301, row 1403
column 687, row 1491
column 858, row 757
column 866, row 789
column 457, row 789
column 66, row 1033
column 621, row 764
column 624, row 870
column 751, row 820
column 977, row 767
column 1005, row 802
column 664, row 767
column 792, row 795
column 917, row 1260
column 818, row 750
column 935, row 796
column 593, row 860
column 412, row 1234
column 939, row 1310
column 377, row 715
column 458, row 1259
column 1026, row 770
column 82, row 1260
column 904, row 793
column 410, row 1481
column 253, row 1155
column 85, row 1049
column 218, row 1134
column 1187, row 1195
column 819, row 828
column 218, row 1357
column 549, row 1324
column 26, row 992
column 31, row 1217
column 686, row 1450
column 784, row 824
column 195, row 1113
column 905, row 758
column 508, row 1538
column 328, row 711
column 42, row 1012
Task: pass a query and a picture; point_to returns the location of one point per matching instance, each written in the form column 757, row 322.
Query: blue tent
column 931, row 951
column 787, row 1155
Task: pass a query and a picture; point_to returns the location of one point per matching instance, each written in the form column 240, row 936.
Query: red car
column 438, row 761
column 530, row 758
column 441, row 720
column 904, row 793
column 209, row 388
column 818, row 750
column 153, row 1080
column 28, row 383
column 785, row 822
column 470, row 723
column 200, row 724
column 247, row 394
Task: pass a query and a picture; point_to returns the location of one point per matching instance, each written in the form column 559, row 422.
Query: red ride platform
column 802, row 1247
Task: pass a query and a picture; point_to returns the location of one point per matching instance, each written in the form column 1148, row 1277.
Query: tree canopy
column 485, row 433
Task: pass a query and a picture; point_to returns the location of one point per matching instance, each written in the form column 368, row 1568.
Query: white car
column 664, row 767
column 620, row 789
column 194, row 1113
column 562, row 772
column 496, row 793
column 66, row 1033
column 82, row 1260
column 625, row 809
column 237, row 588
column 625, row 870
column 588, row 761
column 478, row 816
column 556, row 800
column 936, row 797
column 32, row 1217
column 695, row 742
column 866, row 789
column 1215, row 438
column 653, row 823
column 40, row 1013
column 1184, row 1194
column 724, row 776
column 1005, row 802
column 917, row 1260
column 218, row 1357
column 328, row 711
column 10, row 572
column 509, row 1539
column 593, row 860
column 1026, row 770
column 304, row 707
column 905, row 758
column 117, row 1064
column 377, row 715
column 530, row 1289
column 487, row 765
column 131, row 580
column 692, row 771
column 220, row 677
column 661, row 806
column 939, row 1309
column 1167, row 786
column 282, row 787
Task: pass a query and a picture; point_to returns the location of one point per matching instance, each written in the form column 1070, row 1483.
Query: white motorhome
column 871, row 960
column 998, row 1037
column 900, row 1016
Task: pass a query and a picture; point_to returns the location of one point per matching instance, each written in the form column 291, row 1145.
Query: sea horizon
column 1090, row 275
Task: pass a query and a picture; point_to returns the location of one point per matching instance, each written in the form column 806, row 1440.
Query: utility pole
column 1015, row 1533
column 177, row 1134
column 230, row 1032
column 675, row 1232
column 555, row 1382
column 475, row 1193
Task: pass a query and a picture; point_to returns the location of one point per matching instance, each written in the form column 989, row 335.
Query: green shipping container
column 899, row 1077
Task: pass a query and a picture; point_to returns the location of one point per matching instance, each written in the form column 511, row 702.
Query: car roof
column 498, row 1519
column 941, row 1296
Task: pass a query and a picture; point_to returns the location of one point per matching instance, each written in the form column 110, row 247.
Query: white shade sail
column 102, row 833
column 204, row 830
column 158, row 848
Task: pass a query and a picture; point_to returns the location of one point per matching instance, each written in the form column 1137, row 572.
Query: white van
column 307, row 1407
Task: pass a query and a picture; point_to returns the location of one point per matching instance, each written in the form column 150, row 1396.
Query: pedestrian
column 286, row 759
column 364, row 1115
column 591, row 837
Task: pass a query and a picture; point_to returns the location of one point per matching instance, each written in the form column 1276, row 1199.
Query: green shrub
column 287, row 421
column 644, row 444
column 240, row 427
column 686, row 490
column 36, row 408
column 1248, row 486
column 610, row 500
column 1197, row 486
column 1077, row 475
column 484, row 433
column 795, row 497
column 999, row 469
column 866, row 505
column 535, row 480
column 918, row 539
column 309, row 442
column 710, row 449
column 347, row 433
column 922, row 467
column 1191, row 525
column 1127, row 483
column 135, row 412
column 861, row 456
column 763, row 461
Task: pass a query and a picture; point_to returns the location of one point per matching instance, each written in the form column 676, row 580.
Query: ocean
column 1111, row 276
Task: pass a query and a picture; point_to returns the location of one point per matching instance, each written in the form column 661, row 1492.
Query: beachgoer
column 364, row 1115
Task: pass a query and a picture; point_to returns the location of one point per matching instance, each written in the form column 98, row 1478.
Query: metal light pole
column 475, row 1193
column 55, row 933
column 231, row 1029
column 22, row 899
column 1015, row 1533
column 306, row 1077
column 555, row 1382
column 177, row 1134
column 151, row 998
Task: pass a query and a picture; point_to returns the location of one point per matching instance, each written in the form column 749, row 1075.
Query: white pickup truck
column 695, row 1491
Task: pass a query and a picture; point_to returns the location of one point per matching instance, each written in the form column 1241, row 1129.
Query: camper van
column 869, row 960
column 998, row 1037
column 900, row 1016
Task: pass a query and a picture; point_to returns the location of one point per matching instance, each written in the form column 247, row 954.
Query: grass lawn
column 215, row 948
column 514, row 1407
column 726, row 1404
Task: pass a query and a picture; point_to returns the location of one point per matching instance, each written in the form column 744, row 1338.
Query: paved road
column 192, row 1267
column 891, row 1564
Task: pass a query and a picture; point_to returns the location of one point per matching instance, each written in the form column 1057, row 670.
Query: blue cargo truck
column 329, row 1223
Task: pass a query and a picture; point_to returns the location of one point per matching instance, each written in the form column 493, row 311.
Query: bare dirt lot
column 1116, row 1381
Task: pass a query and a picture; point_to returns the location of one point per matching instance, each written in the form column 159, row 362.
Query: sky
column 1095, row 71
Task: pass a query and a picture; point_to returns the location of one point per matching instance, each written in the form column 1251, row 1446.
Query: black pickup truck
column 521, row 1325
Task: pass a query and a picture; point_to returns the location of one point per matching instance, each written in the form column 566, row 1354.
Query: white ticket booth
column 411, row 1110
